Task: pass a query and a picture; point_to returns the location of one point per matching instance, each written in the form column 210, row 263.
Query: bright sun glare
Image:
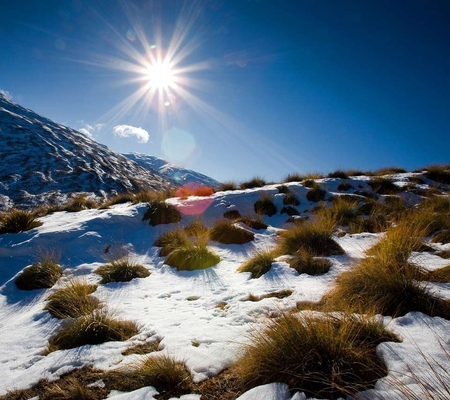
column 160, row 76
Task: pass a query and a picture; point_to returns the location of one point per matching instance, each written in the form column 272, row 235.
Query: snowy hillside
column 204, row 317
column 42, row 162
column 176, row 175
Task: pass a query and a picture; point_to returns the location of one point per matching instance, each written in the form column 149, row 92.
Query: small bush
column 259, row 264
column 289, row 210
column 315, row 238
column 324, row 357
column 16, row 221
column 253, row 183
column 440, row 275
column 290, row 199
column 338, row 174
column 354, row 172
column 305, row 263
column 384, row 186
column 79, row 203
column 190, row 257
column 227, row 233
column 197, row 229
column 254, row 223
column 316, row 194
column 41, row 275
column 167, row 375
column 73, row 300
column 226, row 186
column 436, row 204
column 160, row 212
column 171, row 240
column 78, row 384
column 344, row 186
column 342, row 212
column 386, row 282
column 95, row 328
column 123, row 269
column 438, row 173
column 232, row 214
column 389, row 171
column 294, row 178
column 265, row 206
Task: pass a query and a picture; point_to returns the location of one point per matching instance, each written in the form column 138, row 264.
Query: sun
column 161, row 76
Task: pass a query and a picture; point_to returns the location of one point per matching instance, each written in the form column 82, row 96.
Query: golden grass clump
column 384, row 186
column 170, row 241
column 290, row 199
column 41, row 275
column 322, row 356
column 73, row 300
column 253, row 183
column 254, row 223
column 227, row 233
column 305, row 263
column 316, row 193
column 265, row 206
column 259, row 264
column 385, row 282
column 192, row 256
column 122, row 269
column 227, row 186
column 338, row 174
column 313, row 237
column 160, row 212
column 16, row 221
column 438, row 173
column 169, row 376
column 95, row 328
column 79, row 203
column 342, row 212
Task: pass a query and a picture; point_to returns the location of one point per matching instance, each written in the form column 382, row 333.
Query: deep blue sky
column 290, row 86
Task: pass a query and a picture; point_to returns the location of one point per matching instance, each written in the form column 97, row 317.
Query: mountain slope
column 43, row 161
column 176, row 175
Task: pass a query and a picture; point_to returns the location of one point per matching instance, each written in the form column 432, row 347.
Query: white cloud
column 6, row 94
column 85, row 132
column 129, row 131
column 89, row 130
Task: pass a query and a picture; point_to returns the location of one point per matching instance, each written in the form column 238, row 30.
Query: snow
column 201, row 317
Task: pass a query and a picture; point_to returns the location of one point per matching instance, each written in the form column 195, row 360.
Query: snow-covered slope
column 176, row 175
column 42, row 162
column 202, row 316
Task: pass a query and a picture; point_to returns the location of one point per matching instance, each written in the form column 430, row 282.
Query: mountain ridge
column 47, row 163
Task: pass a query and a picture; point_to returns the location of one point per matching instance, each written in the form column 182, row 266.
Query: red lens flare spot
column 197, row 206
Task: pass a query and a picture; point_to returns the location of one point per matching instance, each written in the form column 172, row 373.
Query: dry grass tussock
column 95, row 328
column 73, row 300
column 304, row 262
column 121, row 269
column 384, row 186
column 43, row 274
column 253, row 183
column 265, row 206
column 313, row 237
column 79, row 203
column 338, row 174
column 227, row 186
column 438, row 173
column 385, row 282
column 227, row 233
column 316, row 193
column 74, row 385
column 326, row 357
column 160, row 212
column 167, row 375
column 342, row 212
column 259, row 264
column 16, row 221
column 191, row 256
